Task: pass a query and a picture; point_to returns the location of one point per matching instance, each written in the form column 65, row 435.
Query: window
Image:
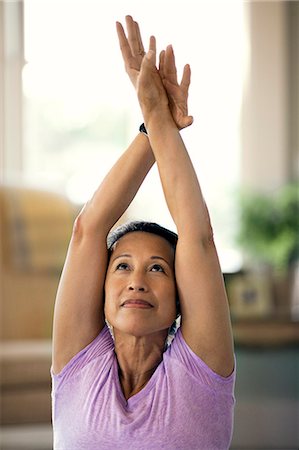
column 80, row 112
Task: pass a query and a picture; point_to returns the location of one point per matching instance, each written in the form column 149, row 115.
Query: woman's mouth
column 136, row 303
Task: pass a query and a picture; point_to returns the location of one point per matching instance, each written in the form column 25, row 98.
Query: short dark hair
column 138, row 225
column 147, row 227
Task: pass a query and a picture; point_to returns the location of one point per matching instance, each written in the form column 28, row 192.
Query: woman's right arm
column 79, row 312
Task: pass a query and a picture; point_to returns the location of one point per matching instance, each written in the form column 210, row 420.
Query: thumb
column 188, row 121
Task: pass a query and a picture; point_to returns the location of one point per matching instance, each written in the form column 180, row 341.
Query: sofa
column 35, row 228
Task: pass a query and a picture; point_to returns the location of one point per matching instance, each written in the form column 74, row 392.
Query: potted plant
column 269, row 236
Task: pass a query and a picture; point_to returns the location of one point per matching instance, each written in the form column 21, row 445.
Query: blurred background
column 67, row 113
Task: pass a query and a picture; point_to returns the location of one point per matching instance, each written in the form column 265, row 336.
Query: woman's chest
column 164, row 412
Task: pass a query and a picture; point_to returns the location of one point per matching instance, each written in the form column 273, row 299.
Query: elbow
column 207, row 236
column 89, row 223
column 208, row 232
column 77, row 232
column 81, row 226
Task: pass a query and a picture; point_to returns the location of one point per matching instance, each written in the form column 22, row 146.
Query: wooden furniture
column 35, row 230
column 266, row 333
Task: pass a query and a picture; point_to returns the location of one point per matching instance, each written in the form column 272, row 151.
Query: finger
column 152, row 44
column 170, row 71
column 139, row 38
column 161, row 64
column 133, row 36
column 149, row 59
column 147, row 65
column 151, row 54
column 123, row 42
column 186, row 78
column 170, row 88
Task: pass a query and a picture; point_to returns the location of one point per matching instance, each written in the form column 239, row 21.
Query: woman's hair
column 147, row 227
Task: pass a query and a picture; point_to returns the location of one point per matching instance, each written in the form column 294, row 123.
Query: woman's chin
column 136, row 328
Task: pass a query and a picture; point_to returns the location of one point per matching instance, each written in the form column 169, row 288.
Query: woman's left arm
column 206, row 325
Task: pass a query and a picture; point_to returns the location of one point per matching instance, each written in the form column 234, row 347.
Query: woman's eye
column 157, row 268
column 122, row 266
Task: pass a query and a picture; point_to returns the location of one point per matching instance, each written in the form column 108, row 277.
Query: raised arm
column 206, row 323
column 78, row 314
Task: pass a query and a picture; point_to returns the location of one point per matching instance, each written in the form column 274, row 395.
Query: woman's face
column 140, row 289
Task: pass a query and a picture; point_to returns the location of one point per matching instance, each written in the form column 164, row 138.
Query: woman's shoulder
column 102, row 345
column 181, row 354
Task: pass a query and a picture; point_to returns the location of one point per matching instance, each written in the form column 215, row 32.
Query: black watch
column 142, row 129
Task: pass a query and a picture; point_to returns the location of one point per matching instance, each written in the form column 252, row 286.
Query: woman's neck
column 138, row 358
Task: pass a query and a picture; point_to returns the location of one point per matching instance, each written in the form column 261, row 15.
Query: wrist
column 161, row 112
column 159, row 119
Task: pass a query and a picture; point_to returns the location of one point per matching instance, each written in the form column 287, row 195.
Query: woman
column 133, row 391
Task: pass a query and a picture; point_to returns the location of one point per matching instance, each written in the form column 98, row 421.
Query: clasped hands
column 155, row 87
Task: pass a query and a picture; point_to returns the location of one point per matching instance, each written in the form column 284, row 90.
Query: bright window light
column 80, row 110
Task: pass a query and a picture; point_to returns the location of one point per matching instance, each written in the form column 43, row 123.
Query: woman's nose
column 137, row 283
column 135, row 287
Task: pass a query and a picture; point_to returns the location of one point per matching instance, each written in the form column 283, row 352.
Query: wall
column 11, row 96
column 293, row 36
column 1, row 93
column 270, row 112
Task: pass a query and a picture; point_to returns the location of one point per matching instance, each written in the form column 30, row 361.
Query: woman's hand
column 132, row 50
column 131, row 47
column 151, row 93
column 177, row 93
